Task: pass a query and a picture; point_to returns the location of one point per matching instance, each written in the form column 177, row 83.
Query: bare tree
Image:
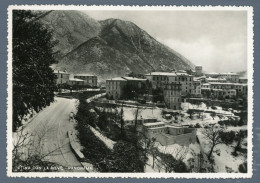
column 28, row 153
column 178, row 152
column 212, row 135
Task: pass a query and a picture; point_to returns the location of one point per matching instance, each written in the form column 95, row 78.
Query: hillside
column 70, row 29
column 108, row 48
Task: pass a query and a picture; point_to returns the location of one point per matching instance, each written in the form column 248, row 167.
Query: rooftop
column 177, row 73
column 218, row 83
column 161, row 74
column 227, row 73
column 60, row 72
column 155, row 123
column 84, row 75
column 220, row 79
column 134, row 79
column 157, row 127
column 116, row 79
column 75, row 79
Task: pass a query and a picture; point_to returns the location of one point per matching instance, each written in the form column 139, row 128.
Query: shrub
column 214, row 107
column 171, row 164
column 231, row 122
column 197, row 125
column 243, row 167
column 127, row 158
column 227, row 137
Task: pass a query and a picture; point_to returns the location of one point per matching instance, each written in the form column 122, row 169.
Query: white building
column 88, row 79
column 61, row 77
column 158, row 79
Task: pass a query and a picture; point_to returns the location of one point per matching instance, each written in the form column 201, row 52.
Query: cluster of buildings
column 224, row 89
column 178, row 84
column 63, row 77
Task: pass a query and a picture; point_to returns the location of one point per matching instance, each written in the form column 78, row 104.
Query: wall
column 183, row 139
column 61, row 78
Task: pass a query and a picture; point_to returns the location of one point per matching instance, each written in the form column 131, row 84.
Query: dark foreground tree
column 170, row 164
column 33, row 79
column 127, row 158
column 239, row 138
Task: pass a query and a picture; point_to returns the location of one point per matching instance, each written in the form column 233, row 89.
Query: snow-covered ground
column 49, row 133
column 149, row 166
column 206, row 119
column 187, row 154
column 129, row 113
column 95, row 97
column 224, row 160
column 108, row 142
column 236, row 128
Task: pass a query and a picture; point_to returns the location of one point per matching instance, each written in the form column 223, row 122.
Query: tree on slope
column 33, row 79
column 212, row 135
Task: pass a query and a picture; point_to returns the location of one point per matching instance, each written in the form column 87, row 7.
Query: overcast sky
column 217, row 40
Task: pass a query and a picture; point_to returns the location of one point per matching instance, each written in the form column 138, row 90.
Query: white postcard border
column 250, row 50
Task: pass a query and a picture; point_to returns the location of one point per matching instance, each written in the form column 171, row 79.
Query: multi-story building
column 216, row 80
column 197, row 88
column 231, row 76
column 243, row 80
column 225, row 89
column 158, row 79
column 172, row 95
column 89, row 80
column 61, row 77
column 114, row 86
column 198, row 71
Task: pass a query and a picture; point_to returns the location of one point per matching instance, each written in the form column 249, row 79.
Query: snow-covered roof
column 227, row 73
column 75, row 79
column 116, row 79
column 174, row 126
column 134, row 79
column 161, row 74
column 216, row 79
column 157, row 127
column 59, row 72
column 218, row 83
column 155, row 123
column 83, row 75
column 182, row 74
column 168, row 74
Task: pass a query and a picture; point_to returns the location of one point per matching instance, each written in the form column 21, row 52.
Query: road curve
column 50, row 137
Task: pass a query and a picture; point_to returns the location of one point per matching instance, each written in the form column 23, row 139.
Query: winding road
column 50, row 137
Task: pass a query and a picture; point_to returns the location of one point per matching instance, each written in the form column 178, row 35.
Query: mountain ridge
column 108, row 48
